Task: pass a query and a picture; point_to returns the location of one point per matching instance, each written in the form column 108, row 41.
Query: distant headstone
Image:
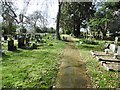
column 27, row 40
column 15, row 36
column 21, row 42
column 116, row 40
column 5, row 37
column 11, row 46
column 112, row 48
column 34, row 46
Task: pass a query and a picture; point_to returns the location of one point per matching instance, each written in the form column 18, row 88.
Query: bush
column 93, row 42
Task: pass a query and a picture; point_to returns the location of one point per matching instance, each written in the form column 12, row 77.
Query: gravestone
column 27, row 40
column 11, row 46
column 21, row 43
column 15, row 36
column 34, row 46
column 112, row 48
column 118, row 50
column 116, row 42
column 5, row 37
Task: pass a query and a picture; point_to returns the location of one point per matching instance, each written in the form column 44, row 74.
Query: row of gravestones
column 23, row 41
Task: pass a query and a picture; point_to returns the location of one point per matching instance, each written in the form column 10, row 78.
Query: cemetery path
column 72, row 70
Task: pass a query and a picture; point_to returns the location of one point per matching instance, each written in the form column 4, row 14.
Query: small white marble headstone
column 116, row 40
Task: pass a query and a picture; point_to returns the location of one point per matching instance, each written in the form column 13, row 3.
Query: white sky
column 48, row 7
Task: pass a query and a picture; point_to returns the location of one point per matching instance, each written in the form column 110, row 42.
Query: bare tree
column 36, row 20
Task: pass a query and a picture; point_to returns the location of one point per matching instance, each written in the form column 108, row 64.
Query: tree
column 36, row 20
column 74, row 14
column 9, row 17
column 58, row 20
column 104, row 18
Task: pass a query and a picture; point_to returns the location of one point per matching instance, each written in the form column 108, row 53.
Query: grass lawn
column 99, row 76
column 31, row 68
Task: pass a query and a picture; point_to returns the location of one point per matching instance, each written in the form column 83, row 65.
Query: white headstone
column 118, row 50
column 116, row 40
column 112, row 47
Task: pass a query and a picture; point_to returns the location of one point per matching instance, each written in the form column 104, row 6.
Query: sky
column 49, row 9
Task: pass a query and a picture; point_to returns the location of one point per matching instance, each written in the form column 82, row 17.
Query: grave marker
column 11, row 46
column 21, row 42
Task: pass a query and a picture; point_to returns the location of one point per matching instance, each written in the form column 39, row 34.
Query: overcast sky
column 48, row 7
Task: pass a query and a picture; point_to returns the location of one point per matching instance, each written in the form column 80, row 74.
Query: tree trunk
column 74, row 25
column 103, row 32
column 78, row 31
column 58, row 22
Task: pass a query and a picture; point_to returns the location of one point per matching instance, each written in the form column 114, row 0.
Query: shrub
column 93, row 42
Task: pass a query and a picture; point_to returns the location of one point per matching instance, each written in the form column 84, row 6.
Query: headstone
column 5, row 37
column 27, row 41
column 118, row 50
column 106, row 51
column 11, row 46
column 34, row 46
column 15, row 36
column 116, row 42
column 112, row 47
column 21, row 42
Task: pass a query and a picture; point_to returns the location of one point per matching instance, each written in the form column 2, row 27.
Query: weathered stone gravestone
column 112, row 48
column 16, row 36
column 38, row 38
column 21, row 43
column 116, row 42
column 5, row 37
column 118, row 50
column 34, row 46
column 11, row 46
column 27, row 40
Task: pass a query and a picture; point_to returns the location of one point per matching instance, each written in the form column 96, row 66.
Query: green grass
column 31, row 68
column 99, row 76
